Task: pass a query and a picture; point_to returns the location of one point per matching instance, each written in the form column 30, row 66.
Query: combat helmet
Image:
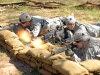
column 70, row 20
column 81, row 35
column 24, row 17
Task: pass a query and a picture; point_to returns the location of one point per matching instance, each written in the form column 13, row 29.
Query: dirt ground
column 10, row 65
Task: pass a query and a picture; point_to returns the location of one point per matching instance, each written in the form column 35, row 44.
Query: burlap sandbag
column 44, row 72
column 50, row 69
column 91, row 65
column 56, row 57
column 67, row 67
column 23, row 56
column 38, row 52
column 6, row 34
column 50, row 46
column 15, row 44
column 2, row 42
column 32, row 64
column 45, row 61
column 24, row 50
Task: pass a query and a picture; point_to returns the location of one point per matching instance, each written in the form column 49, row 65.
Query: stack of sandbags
column 5, row 35
column 44, row 65
column 10, row 41
column 67, row 67
column 92, row 66
column 55, row 65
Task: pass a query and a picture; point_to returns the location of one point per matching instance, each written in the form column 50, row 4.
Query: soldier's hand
column 69, row 52
column 42, row 37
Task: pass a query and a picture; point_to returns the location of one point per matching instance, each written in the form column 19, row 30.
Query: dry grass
column 83, row 15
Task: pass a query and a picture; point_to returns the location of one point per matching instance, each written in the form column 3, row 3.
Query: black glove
column 69, row 52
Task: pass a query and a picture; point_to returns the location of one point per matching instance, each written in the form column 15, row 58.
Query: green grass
column 3, row 52
column 82, row 15
column 4, row 1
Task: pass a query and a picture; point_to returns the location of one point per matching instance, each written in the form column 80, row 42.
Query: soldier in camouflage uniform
column 39, row 26
column 87, row 45
column 72, row 24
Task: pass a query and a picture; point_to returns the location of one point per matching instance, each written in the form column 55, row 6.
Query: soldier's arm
column 76, row 58
column 97, row 56
column 36, row 30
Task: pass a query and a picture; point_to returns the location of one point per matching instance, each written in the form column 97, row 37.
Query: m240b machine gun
column 55, row 36
column 58, row 51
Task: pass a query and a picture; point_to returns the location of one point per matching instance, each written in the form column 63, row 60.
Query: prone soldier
column 72, row 24
column 39, row 26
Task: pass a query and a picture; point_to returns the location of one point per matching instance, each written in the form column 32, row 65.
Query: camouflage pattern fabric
column 91, row 51
column 42, row 24
column 93, row 30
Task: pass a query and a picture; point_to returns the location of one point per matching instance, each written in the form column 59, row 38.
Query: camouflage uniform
column 93, row 30
column 89, row 48
column 79, row 26
column 40, row 26
column 92, row 50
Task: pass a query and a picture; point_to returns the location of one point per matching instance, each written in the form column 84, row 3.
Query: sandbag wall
column 54, row 65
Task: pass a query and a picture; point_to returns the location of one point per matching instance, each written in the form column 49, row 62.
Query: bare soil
column 10, row 65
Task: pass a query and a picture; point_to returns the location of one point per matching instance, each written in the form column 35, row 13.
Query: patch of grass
column 3, row 52
column 10, row 16
column 80, row 13
column 4, row 1
column 22, row 73
column 87, row 14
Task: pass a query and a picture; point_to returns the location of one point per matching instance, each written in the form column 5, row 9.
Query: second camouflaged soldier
column 89, row 47
column 72, row 24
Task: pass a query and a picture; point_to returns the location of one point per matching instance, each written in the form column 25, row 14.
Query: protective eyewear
column 77, row 41
column 23, row 22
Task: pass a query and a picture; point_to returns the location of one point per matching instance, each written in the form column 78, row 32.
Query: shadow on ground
column 10, row 65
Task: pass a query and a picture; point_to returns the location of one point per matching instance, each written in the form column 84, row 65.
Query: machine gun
column 58, row 36
column 14, row 28
column 55, row 36
column 7, row 28
column 58, row 51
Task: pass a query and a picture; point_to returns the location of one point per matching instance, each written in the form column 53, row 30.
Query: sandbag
column 50, row 69
column 91, row 65
column 24, row 50
column 44, row 72
column 15, row 44
column 23, row 56
column 45, row 61
column 67, row 67
column 56, row 57
column 6, row 34
column 50, row 46
column 38, row 52
column 32, row 64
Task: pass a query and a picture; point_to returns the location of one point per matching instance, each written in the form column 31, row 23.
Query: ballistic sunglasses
column 77, row 41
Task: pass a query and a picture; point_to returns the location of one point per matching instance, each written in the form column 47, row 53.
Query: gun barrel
column 56, row 52
column 6, row 28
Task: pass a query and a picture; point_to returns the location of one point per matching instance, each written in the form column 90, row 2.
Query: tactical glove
column 69, row 52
